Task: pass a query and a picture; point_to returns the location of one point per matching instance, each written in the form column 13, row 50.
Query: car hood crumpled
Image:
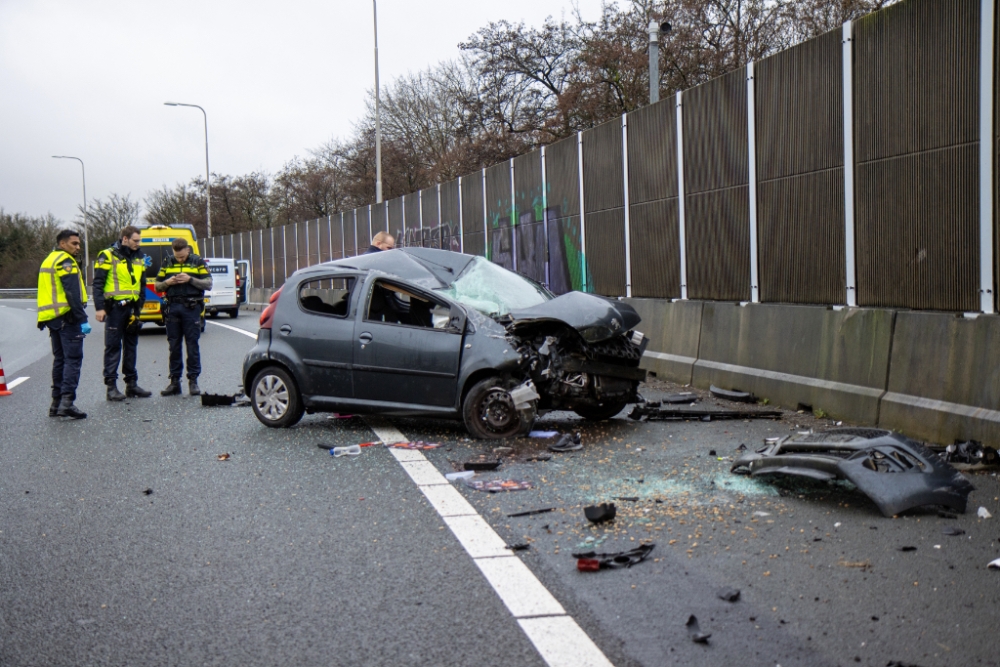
column 595, row 317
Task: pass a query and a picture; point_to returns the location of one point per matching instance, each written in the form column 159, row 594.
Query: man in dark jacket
column 381, row 241
column 62, row 297
column 119, row 292
column 184, row 277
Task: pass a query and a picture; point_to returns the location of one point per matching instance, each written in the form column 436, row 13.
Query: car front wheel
column 489, row 412
column 275, row 398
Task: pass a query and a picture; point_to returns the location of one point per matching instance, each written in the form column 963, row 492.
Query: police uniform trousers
column 184, row 324
column 67, row 356
column 119, row 343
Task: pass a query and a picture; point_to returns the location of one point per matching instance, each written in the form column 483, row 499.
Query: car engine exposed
column 570, row 373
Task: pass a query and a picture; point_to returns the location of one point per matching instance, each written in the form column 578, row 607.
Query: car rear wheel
column 489, row 412
column 599, row 413
column 234, row 313
column 275, row 398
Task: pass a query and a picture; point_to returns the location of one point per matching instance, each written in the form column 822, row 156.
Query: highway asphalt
column 126, row 541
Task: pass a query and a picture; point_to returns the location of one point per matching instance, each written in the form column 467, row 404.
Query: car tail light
column 268, row 315
column 238, row 281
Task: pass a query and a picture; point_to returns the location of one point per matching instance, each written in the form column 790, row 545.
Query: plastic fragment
column 728, row 594
column 465, row 474
column 694, row 631
column 600, row 513
column 994, row 565
column 984, row 513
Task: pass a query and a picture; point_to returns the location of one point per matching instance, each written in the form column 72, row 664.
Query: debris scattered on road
column 652, row 412
column 465, row 474
column 148, row 492
column 711, row 452
column 971, row 452
column 523, row 546
column 537, row 456
column 947, row 515
column 352, row 450
column 620, row 559
column 214, row 400
column 984, row 513
column 953, row 531
column 860, row 564
column 994, row 565
column 628, row 499
column 419, row 444
column 907, row 548
column 481, row 465
column 600, row 513
column 543, row 434
column 567, row 443
column 682, row 398
column 496, row 485
column 895, row 472
column 337, row 415
column 694, row 631
column 532, row 512
column 736, row 396
column 767, row 514
column 728, row 594
column 223, row 457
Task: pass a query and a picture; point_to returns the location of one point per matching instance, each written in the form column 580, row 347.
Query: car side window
column 327, row 296
column 392, row 304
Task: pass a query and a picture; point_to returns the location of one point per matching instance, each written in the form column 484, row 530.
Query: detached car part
column 895, row 472
column 654, row 411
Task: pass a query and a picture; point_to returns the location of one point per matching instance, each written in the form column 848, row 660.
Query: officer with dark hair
column 119, row 292
column 62, row 297
column 184, row 277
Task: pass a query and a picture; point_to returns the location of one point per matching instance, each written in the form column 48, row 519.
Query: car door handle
column 365, row 338
column 285, row 329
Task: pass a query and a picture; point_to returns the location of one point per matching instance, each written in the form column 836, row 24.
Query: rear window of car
column 327, row 296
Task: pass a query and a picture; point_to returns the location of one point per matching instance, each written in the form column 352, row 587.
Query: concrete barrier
column 944, row 378
column 832, row 360
column 674, row 330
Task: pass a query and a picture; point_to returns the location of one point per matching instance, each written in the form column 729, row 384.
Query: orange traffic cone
column 3, row 382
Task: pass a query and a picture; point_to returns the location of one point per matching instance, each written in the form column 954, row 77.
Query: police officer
column 184, row 278
column 61, row 299
column 119, row 292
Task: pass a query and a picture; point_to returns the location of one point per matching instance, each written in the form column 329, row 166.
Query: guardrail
column 20, row 293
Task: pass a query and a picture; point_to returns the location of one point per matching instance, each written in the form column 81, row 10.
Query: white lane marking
column 557, row 637
column 13, row 383
column 562, row 642
column 236, row 329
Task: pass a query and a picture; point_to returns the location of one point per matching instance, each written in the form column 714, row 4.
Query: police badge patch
column 67, row 266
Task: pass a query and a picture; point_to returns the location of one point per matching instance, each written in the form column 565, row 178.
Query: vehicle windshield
column 493, row 290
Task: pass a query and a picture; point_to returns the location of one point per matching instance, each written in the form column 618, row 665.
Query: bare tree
column 107, row 217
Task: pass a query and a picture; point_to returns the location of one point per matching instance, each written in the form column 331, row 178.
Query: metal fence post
column 440, row 217
column 987, row 43
column 461, row 219
column 680, row 195
column 274, row 272
column 402, row 205
column 296, row 248
column 583, row 226
column 486, row 230
column 545, row 218
column 284, row 253
column 513, row 218
column 343, row 237
column 329, row 234
column 370, row 235
column 752, row 155
column 420, row 213
column 628, row 234
column 848, row 95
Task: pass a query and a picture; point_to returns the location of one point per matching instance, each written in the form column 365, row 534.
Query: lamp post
column 208, row 173
column 655, row 29
column 378, row 118
column 86, row 244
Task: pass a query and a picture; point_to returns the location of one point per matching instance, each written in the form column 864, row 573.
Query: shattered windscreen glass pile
column 493, row 290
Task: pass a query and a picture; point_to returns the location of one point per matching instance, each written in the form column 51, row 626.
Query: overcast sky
column 89, row 78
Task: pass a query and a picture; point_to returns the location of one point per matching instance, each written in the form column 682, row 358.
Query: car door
column 407, row 347
column 320, row 330
column 243, row 277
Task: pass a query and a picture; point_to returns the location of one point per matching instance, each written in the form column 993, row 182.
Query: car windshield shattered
column 493, row 290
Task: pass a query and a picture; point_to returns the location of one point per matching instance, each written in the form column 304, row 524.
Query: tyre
column 599, row 413
column 275, row 398
column 489, row 412
column 234, row 313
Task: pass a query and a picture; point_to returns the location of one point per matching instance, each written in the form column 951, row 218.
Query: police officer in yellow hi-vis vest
column 62, row 297
column 119, row 292
column 183, row 277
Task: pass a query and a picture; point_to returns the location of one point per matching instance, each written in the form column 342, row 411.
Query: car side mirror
column 456, row 320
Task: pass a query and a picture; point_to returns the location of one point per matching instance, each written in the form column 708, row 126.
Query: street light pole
column 86, row 244
column 655, row 30
column 378, row 118
column 208, row 173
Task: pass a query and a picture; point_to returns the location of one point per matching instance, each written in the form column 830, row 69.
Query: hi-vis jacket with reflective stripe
column 52, row 301
column 194, row 266
column 123, row 277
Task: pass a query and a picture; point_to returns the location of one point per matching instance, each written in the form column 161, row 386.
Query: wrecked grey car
column 419, row 331
column 895, row 472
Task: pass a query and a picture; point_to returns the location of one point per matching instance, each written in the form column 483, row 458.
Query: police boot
column 67, row 409
column 133, row 390
column 113, row 393
column 173, row 389
column 54, row 408
column 193, row 388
